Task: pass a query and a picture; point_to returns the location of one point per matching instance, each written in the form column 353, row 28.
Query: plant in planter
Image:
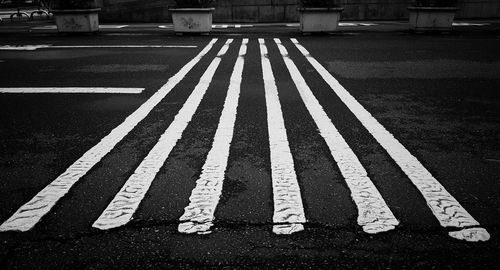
column 319, row 15
column 76, row 15
column 432, row 15
column 192, row 16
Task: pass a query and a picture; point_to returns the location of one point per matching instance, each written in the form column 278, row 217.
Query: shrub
column 320, row 3
column 74, row 4
column 193, row 3
column 435, row 3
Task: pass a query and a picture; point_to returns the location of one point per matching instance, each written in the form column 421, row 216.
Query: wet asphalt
column 437, row 94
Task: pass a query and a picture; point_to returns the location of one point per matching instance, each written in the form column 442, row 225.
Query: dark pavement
column 437, row 94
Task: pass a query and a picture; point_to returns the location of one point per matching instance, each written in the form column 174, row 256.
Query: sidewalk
column 42, row 25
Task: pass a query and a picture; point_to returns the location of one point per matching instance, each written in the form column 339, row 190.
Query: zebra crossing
column 289, row 216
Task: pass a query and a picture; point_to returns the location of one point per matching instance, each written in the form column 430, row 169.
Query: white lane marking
column 45, row 27
column 199, row 214
column 121, row 209
column 443, row 205
column 30, row 213
column 23, row 47
column 356, row 24
column 469, row 24
column 70, row 90
column 110, row 26
column 373, row 213
column 48, row 46
column 288, row 209
column 123, row 46
column 165, row 26
column 237, row 26
column 348, row 24
column 101, row 26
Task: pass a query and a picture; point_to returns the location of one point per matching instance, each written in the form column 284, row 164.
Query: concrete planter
column 319, row 19
column 431, row 18
column 192, row 20
column 77, row 20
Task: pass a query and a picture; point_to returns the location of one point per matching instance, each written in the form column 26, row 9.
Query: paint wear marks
column 288, row 209
column 109, row 26
column 54, row 27
column 443, row 205
column 30, row 214
column 121, row 209
column 373, row 213
column 23, row 47
column 123, row 46
column 199, row 214
column 469, row 24
column 49, row 46
column 71, row 90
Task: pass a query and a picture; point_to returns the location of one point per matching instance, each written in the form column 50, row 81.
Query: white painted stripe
column 373, row 213
column 444, row 206
column 48, row 46
column 237, row 26
column 165, row 26
column 347, row 24
column 225, row 26
column 101, row 26
column 288, row 209
column 30, row 213
column 123, row 46
column 469, row 24
column 45, row 27
column 110, row 26
column 199, row 214
column 121, row 209
column 22, row 47
column 70, row 90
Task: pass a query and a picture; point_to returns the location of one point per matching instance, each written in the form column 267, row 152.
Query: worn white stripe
column 199, row 214
column 101, row 26
column 288, row 209
column 49, row 46
column 237, row 26
column 373, row 213
column 444, row 206
column 110, row 26
column 29, row 214
column 121, row 209
column 70, row 90
column 45, row 27
column 121, row 46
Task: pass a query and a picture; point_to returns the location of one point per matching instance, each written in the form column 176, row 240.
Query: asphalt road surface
column 364, row 150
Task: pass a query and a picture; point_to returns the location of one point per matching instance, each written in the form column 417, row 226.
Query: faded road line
column 71, row 90
column 121, row 209
column 30, row 213
column 199, row 214
column 444, row 206
column 49, row 46
column 373, row 213
column 289, row 213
